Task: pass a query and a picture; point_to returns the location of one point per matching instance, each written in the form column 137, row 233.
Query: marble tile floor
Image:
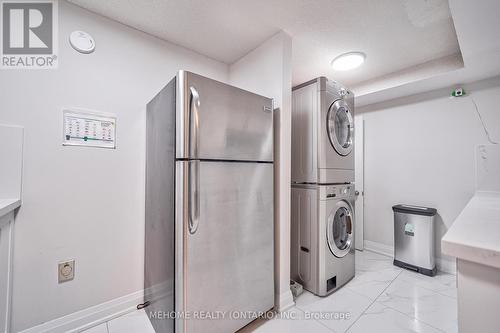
column 380, row 298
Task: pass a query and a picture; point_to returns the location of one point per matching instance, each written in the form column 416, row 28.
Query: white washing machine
column 322, row 133
column 322, row 236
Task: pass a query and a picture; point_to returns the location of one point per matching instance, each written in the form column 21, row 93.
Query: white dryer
column 322, row 133
column 322, row 250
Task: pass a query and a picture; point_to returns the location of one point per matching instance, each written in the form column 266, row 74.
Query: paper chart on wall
column 90, row 129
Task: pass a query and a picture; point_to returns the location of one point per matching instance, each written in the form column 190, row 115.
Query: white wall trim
column 93, row 316
column 383, row 249
column 447, row 265
column 443, row 264
column 359, row 175
column 285, row 301
column 6, row 259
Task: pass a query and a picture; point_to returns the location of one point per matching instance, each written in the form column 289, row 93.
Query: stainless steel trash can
column 414, row 238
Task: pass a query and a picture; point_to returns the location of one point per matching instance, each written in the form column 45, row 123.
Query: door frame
column 359, row 171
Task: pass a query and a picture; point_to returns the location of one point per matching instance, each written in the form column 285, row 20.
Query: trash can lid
column 416, row 210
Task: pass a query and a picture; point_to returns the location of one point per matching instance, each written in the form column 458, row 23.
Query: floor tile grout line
column 426, row 288
column 372, row 302
column 405, row 314
column 419, row 320
column 324, row 325
column 376, row 297
column 319, row 322
column 434, row 291
column 364, row 311
column 417, row 285
column 329, row 328
column 455, row 298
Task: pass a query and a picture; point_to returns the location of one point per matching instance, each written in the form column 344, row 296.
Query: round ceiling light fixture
column 347, row 61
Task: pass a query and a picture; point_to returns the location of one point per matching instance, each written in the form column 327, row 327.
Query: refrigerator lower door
column 224, row 244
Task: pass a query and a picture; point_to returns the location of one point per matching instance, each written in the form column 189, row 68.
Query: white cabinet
column 6, row 239
column 478, row 297
column 474, row 239
column 11, row 157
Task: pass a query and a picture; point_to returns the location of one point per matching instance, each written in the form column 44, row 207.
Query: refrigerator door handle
column 194, row 196
column 194, row 122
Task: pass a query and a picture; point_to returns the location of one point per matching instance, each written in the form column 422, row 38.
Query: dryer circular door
column 340, row 127
column 339, row 233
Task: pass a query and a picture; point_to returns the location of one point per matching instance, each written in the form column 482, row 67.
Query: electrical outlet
column 66, row 271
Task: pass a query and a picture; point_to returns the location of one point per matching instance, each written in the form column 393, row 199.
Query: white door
column 359, row 143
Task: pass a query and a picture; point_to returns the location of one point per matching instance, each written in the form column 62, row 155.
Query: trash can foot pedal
column 422, row 270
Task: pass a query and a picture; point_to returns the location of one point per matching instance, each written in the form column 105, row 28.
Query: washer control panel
column 344, row 191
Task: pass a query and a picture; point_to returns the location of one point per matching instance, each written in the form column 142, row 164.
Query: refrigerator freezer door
column 225, row 266
column 220, row 122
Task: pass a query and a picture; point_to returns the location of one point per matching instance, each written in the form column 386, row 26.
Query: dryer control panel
column 328, row 192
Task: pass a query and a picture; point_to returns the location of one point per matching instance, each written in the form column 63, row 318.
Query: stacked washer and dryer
column 323, row 191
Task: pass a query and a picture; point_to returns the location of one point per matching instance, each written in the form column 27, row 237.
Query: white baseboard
column 443, row 264
column 284, row 301
column 383, row 249
column 93, row 316
column 447, row 265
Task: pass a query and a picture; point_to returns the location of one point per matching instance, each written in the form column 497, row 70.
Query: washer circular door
column 340, row 127
column 340, row 229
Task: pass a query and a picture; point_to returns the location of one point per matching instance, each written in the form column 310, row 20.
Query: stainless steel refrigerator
column 209, row 206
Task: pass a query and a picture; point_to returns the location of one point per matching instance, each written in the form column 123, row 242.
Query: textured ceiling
column 396, row 35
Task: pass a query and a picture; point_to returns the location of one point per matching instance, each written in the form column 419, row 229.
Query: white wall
column 267, row 71
column 11, row 166
column 11, row 152
column 488, row 167
column 420, row 150
column 86, row 203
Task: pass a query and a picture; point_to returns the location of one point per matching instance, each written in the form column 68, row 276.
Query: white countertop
column 475, row 234
column 8, row 205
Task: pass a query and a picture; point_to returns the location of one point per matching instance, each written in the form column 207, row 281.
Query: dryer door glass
column 340, row 127
column 339, row 231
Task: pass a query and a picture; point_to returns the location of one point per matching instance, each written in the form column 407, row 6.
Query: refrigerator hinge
column 143, row 305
